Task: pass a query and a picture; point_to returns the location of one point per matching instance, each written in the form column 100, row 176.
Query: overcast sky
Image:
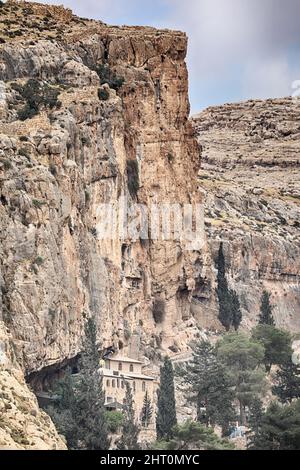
column 238, row 49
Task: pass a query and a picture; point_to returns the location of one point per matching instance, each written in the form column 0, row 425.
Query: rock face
column 251, row 177
column 22, row 424
column 58, row 165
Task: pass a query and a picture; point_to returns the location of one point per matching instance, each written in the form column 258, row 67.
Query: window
column 122, row 384
column 144, row 386
column 118, row 383
column 109, row 399
column 108, row 383
column 120, row 366
column 133, row 386
column 113, row 383
column 131, row 367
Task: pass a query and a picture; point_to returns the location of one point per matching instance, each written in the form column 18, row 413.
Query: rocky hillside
column 251, row 179
column 90, row 113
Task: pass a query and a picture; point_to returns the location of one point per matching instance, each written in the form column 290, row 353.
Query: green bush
column 114, row 420
column 36, row 94
column 103, row 95
column 37, row 204
column 7, row 164
column 53, row 169
column 133, row 177
column 39, row 261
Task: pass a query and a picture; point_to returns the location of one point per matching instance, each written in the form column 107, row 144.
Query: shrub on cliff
column 103, row 94
column 36, row 95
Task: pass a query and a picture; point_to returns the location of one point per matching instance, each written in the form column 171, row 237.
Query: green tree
column 209, row 386
column 83, row 399
column 90, row 396
column 166, row 405
column 287, row 382
column 279, row 428
column 277, row 344
column 115, row 420
column 130, row 429
column 242, row 356
column 229, row 306
column 193, row 436
column 62, row 412
column 224, row 298
column 256, row 413
column 236, row 310
column 266, row 309
column 147, row 411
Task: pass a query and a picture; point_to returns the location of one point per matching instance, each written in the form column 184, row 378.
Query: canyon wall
column 58, row 166
column 250, row 176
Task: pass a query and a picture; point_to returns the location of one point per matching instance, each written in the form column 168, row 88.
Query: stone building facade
column 116, row 371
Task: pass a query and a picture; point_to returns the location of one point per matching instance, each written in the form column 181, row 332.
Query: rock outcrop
column 74, row 149
column 22, row 424
column 251, row 177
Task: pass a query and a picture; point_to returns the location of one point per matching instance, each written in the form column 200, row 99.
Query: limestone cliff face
column 250, row 176
column 59, row 165
column 22, row 424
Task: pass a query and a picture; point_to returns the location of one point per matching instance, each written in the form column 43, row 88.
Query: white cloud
column 245, row 42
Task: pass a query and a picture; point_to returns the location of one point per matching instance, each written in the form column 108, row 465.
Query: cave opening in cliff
column 45, row 381
column 159, row 310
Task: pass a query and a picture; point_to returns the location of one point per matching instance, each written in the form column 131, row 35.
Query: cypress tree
column 147, row 411
column 130, row 430
column 266, row 309
column 90, row 397
column 229, row 306
column 236, row 310
column 80, row 413
column 166, row 405
column 287, row 382
column 255, row 420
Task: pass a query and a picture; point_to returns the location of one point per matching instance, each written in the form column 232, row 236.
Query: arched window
column 144, row 386
column 131, row 367
column 120, row 366
column 113, row 384
column 108, row 383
